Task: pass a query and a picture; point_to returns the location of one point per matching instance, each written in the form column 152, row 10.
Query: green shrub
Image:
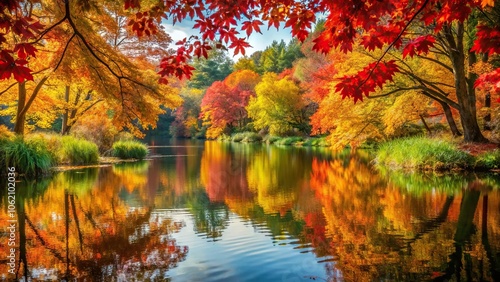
column 315, row 142
column 294, row 140
column 270, row 139
column 488, row 160
column 246, row 137
column 130, row 150
column 422, row 153
column 77, row 151
column 251, row 137
column 237, row 137
column 29, row 157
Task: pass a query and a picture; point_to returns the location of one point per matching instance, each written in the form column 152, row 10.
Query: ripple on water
column 243, row 253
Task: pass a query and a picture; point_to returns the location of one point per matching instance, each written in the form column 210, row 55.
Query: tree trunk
column 21, row 113
column 465, row 93
column 425, row 124
column 64, row 127
column 449, row 118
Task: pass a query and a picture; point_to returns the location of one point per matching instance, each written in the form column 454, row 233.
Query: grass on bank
column 422, row 153
column 252, row 137
column 77, row 151
column 130, row 149
column 29, row 157
column 488, row 160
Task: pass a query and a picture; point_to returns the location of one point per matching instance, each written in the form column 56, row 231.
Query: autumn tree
column 377, row 25
column 186, row 123
column 245, row 63
column 135, row 96
column 278, row 105
column 223, row 106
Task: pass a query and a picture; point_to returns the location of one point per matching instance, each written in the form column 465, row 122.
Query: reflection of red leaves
column 488, row 40
column 419, row 45
column 365, row 81
column 9, row 66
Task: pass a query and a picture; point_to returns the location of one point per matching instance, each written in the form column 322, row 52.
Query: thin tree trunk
column 64, row 127
column 425, row 124
column 21, row 114
column 449, row 118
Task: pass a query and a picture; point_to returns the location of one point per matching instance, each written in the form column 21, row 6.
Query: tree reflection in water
column 85, row 231
column 361, row 224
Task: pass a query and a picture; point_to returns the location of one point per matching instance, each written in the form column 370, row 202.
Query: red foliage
column 488, row 40
column 419, row 45
column 376, row 23
column 490, row 81
column 25, row 28
column 227, row 105
column 365, row 81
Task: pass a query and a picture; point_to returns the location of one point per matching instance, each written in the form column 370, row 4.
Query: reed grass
column 130, row 149
column 422, row 153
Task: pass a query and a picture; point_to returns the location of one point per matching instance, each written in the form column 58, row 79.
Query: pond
column 210, row 211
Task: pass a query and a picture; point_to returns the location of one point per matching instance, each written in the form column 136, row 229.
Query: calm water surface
column 230, row 212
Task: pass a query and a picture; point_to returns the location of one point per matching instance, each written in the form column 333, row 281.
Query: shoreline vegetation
column 38, row 154
column 408, row 153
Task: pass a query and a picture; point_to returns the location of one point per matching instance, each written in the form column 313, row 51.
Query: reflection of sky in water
column 244, row 252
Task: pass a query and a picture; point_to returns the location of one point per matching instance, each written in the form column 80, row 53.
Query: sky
column 258, row 41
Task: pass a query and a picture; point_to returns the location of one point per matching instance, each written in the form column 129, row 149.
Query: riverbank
column 38, row 154
column 422, row 153
column 252, row 137
column 414, row 153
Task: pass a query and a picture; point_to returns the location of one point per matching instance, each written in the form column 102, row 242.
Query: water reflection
column 78, row 227
column 264, row 213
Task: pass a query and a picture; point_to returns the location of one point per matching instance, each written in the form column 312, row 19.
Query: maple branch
column 64, row 51
column 50, row 28
column 15, row 83
column 9, row 87
column 439, row 97
column 393, row 43
column 74, row 119
column 33, row 96
column 395, row 91
column 437, row 62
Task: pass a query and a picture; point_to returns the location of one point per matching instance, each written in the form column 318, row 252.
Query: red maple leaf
column 365, row 81
column 488, row 40
column 131, row 4
column 239, row 46
column 489, row 82
column 419, row 45
column 9, row 67
column 25, row 49
column 371, row 42
column 250, row 26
